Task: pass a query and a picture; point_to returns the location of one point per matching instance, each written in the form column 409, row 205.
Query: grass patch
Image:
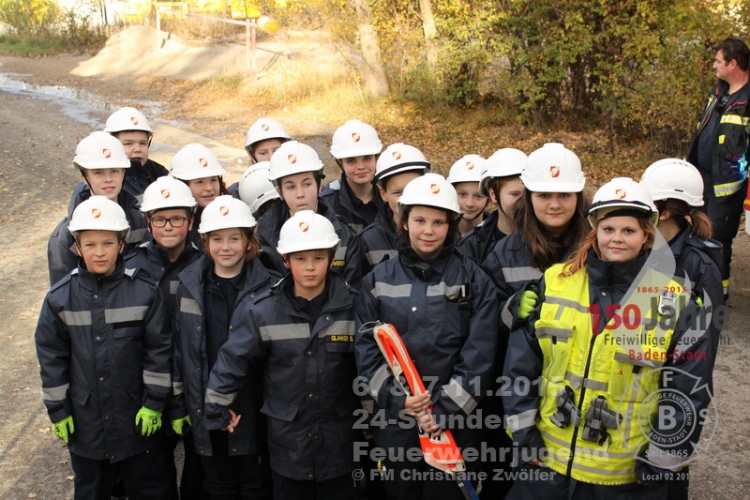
column 23, row 46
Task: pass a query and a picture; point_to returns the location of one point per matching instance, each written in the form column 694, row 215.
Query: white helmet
column 98, row 213
column 553, row 169
column 127, row 118
column 431, row 190
column 306, row 230
column 467, row 169
column 224, row 212
column 293, row 158
column 195, row 161
column 255, row 189
column 265, row 129
column 167, row 192
column 398, row 158
column 674, row 178
column 506, row 162
column 621, row 193
column 355, row 138
column 100, row 150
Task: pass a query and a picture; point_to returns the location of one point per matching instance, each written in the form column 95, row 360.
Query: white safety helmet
column 195, row 161
column 292, row 158
column 467, row 169
column 265, row 129
column 98, row 213
column 167, row 192
column 553, row 169
column 355, row 138
column 304, row 231
column 430, row 190
column 225, row 212
column 100, row 150
column 621, row 193
column 127, row 118
column 255, row 189
column 506, row 162
column 674, row 178
column 398, row 158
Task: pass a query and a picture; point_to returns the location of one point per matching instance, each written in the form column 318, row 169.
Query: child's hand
column 148, row 420
column 428, row 424
column 178, row 426
column 234, row 420
column 417, row 404
column 64, row 428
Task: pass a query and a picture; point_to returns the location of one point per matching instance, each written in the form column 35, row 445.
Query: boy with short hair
column 104, row 357
column 301, row 332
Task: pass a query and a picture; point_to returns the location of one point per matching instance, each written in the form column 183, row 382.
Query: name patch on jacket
column 341, row 338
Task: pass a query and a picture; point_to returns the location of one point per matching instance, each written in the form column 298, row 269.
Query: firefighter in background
column 445, row 308
column 354, row 197
column 465, row 175
column 500, row 182
column 603, row 346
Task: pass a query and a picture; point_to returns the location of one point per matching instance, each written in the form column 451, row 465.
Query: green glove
column 528, row 302
column 64, row 428
column 178, row 426
column 151, row 421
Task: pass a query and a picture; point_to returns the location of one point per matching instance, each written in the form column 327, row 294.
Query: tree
column 374, row 73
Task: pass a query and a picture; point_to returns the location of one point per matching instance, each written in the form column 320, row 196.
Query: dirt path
column 38, row 141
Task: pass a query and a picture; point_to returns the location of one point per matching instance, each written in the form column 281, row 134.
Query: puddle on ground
column 79, row 105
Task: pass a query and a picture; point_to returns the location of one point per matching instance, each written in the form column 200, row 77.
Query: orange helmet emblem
column 304, row 226
column 224, row 210
column 620, row 194
column 397, row 155
column 106, row 152
column 292, row 159
column 355, row 136
column 203, row 162
column 554, row 171
column 469, row 165
column 134, row 120
column 264, row 127
column 434, row 188
column 165, row 193
column 96, row 213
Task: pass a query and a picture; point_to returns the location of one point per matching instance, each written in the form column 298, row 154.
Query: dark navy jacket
column 379, row 239
column 308, row 377
column 191, row 366
column 340, row 197
column 103, row 345
column 481, row 240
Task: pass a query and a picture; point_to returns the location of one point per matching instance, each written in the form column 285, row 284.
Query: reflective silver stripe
column 516, row 274
column 190, row 306
column 460, row 396
column 368, row 405
column 664, row 459
column 575, row 382
column 58, row 393
column 603, row 472
column 387, row 290
column 506, row 317
column 566, row 303
column 600, row 453
column 377, row 256
column 340, row 253
column 554, row 439
column 76, row 318
column 443, row 289
column 290, row 331
column 624, row 357
column 135, row 235
column 177, row 388
column 157, row 379
column 338, row 328
column 123, row 314
column 377, row 380
column 130, row 272
column 522, row 420
column 548, row 331
column 173, row 284
column 216, row 398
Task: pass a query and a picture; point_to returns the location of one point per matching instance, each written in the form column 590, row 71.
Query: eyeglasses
column 174, row 221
